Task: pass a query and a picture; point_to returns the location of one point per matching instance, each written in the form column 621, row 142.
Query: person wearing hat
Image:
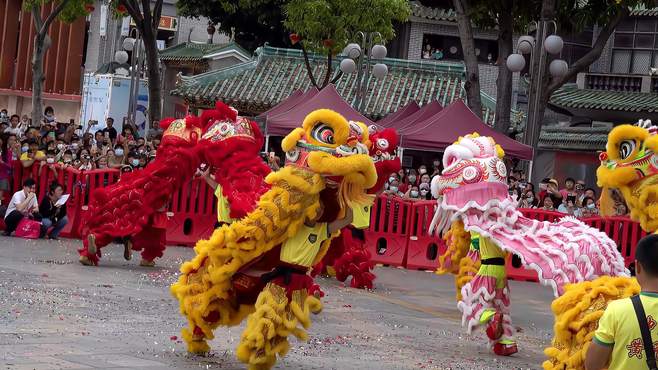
column 549, row 187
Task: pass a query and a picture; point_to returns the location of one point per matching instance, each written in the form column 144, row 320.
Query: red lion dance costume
column 348, row 255
column 133, row 208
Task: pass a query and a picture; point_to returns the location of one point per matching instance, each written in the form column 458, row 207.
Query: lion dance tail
column 577, row 313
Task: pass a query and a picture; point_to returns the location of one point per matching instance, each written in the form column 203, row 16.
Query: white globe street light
column 347, row 66
column 128, row 43
column 515, row 62
column 553, row 44
column 352, row 50
column 558, row 68
column 121, row 57
column 378, row 51
column 525, row 44
column 380, row 70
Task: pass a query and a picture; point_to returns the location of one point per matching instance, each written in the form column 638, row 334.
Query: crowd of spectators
column 412, row 183
column 50, row 145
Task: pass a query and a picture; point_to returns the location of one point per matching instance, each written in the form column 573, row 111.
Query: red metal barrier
column 194, row 211
column 386, row 238
column 423, row 250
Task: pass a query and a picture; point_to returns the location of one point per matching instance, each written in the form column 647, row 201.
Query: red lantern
column 89, row 8
column 121, row 9
column 328, row 43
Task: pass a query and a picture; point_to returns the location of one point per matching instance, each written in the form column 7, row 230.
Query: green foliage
column 328, row 25
column 254, row 22
column 72, row 10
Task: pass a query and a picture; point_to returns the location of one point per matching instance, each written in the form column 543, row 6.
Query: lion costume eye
column 382, row 144
column 626, row 149
column 323, row 133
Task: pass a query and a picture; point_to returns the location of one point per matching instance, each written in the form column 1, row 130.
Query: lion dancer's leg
column 485, row 302
column 283, row 305
column 151, row 240
column 355, row 259
column 91, row 247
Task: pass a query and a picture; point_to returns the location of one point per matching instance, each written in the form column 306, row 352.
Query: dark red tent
column 409, row 124
column 455, row 120
column 282, row 123
column 402, row 113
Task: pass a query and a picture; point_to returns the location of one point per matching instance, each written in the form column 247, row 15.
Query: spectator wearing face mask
column 412, row 179
column 570, row 207
column 49, row 164
column 425, row 179
column 394, row 188
column 67, row 158
column 86, row 164
column 589, row 208
column 529, row 200
column 413, row 193
column 133, row 160
column 425, row 192
column 31, row 153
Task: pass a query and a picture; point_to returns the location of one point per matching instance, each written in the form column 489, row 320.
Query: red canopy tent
column 291, row 101
column 409, row 124
column 441, row 130
column 282, row 123
column 402, row 113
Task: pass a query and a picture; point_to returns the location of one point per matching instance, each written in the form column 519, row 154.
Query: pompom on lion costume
column 242, row 271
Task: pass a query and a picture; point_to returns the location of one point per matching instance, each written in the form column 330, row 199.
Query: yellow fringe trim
column 205, row 284
column 268, row 328
column 577, row 314
column 458, row 241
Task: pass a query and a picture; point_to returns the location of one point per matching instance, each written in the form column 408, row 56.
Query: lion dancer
column 486, row 300
column 134, row 208
column 256, row 267
column 348, row 255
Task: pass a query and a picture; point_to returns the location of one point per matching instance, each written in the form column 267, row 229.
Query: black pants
column 14, row 218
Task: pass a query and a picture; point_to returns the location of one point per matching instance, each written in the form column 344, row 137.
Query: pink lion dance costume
column 347, row 255
column 133, row 208
column 473, row 202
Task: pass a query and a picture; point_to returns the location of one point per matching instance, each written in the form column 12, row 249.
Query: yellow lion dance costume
column 239, row 271
column 630, row 165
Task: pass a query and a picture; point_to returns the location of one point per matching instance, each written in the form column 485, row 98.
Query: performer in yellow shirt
column 223, row 207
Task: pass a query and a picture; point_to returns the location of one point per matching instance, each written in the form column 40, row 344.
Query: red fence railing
column 398, row 232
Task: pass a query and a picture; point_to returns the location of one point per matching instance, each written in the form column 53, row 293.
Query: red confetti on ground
column 173, row 337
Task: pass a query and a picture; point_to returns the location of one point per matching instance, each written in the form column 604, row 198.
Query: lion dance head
column 630, row 165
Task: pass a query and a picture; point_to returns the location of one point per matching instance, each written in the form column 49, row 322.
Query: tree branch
column 328, row 74
column 36, row 15
column 592, row 55
column 157, row 13
column 308, row 68
column 51, row 17
column 146, row 13
column 133, row 11
column 337, row 77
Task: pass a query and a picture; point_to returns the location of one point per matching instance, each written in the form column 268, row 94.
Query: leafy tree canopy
column 328, row 25
column 70, row 11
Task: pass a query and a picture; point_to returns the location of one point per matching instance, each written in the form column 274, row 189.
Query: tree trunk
column 504, row 80
column 38, row 77
column 472, row 84
column 154, row 79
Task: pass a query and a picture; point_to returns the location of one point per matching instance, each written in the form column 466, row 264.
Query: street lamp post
column 359, row 57
column 539, row 49
column 133, row 44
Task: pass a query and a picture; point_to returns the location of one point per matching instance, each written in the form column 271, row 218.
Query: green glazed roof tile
column 605, row 100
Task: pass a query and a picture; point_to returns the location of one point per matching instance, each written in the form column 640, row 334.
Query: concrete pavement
column 58, row 314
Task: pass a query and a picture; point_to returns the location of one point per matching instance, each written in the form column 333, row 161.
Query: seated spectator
column 529, row 200
column 548, row 204
column 589, row 208
column 53, row 215
column 31, row 153
column 5, row 167
column 22, row 204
